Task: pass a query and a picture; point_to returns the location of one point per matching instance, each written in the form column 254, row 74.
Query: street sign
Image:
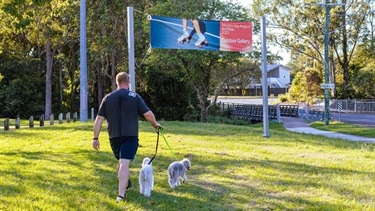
column 327, row 86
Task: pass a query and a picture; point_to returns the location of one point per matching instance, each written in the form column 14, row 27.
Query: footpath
column 301, row 126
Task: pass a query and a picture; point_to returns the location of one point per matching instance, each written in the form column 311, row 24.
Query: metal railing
column 362, row 106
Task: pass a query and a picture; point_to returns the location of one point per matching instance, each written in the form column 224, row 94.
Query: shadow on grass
column 230, row 190
column 59, row 180
column 87, row 180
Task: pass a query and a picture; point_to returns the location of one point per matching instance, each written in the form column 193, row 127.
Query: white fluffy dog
column 146, row 178
column 176, row 170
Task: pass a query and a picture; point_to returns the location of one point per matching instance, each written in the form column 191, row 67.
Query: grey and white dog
column 146, row 178
column 176, row 170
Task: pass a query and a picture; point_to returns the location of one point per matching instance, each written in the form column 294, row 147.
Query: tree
column 199, row 66
column 300, row 25
column 171, row 97
column 364, row 66
column 107, row 42
column 237, row 74
column 364, row 83
column 42, row 28
column 306, row 85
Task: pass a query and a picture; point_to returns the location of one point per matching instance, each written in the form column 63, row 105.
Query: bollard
column 18, row 123
column 75, row 117
column 41, row 121
column 31, row 122
column 6, row 124
column 60, row 118
column 51, row 119
column 278, row 113
column 67, row 117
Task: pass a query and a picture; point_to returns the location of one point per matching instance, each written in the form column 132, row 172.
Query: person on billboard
column 199, row 28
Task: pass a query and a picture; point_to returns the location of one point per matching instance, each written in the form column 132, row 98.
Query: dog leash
column 170, row 149
column 158, row 132
column 157, row 144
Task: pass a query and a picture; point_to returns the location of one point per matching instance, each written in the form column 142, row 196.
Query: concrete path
column 301, row 126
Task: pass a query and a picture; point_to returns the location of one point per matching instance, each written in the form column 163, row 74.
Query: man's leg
column 123, row 176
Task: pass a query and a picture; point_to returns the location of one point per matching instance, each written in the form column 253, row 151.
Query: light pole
column 326, row 60
column 326, row 55
column 326, row 64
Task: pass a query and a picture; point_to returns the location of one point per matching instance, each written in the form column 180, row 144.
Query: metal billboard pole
column 131, row 48
column 83, row 64
column 264, row 79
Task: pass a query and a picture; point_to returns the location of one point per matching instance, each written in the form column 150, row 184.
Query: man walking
column 121, row 108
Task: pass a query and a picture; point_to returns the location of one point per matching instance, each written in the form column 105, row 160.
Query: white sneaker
column 120, row 198
column 183, row 37
column 201, row 39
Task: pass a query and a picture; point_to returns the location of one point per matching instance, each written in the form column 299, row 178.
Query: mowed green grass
column 233, row 168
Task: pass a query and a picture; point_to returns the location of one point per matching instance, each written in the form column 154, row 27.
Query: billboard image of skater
column 194, row 34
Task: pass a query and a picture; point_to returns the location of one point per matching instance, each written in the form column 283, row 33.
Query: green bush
column 283, row 98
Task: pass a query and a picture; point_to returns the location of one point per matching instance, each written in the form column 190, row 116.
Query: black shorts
column 124, row 147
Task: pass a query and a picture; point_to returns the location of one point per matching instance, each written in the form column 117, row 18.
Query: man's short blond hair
column 122, row 78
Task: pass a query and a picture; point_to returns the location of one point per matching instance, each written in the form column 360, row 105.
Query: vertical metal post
column 83, row 63
column 326, row 64
column 131, row 48
column 264, row 79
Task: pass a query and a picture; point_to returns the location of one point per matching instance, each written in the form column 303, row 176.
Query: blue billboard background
column 165, row 31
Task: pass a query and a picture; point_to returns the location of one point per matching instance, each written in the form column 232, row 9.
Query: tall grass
column 233, row 168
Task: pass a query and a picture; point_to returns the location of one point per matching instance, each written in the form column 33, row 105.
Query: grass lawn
column 233, row 168
column 342, row 127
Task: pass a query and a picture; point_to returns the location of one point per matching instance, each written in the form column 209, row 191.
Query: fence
column 362, row 106
column 17, row 124
column 253, row 92
column 253, row 113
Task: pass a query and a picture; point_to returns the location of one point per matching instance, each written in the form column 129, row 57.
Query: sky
column 281, row 52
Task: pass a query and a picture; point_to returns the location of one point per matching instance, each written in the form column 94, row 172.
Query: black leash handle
column 157, row 144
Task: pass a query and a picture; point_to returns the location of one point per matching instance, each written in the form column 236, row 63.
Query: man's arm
column 150, row 117
column 97, row 127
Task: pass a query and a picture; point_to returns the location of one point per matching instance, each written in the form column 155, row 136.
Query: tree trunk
column 345, row 65
column 99, row 85
column 72, row 70
column 61, row 86
column 113, row 71
column 204, row 113
column 49, row 61
column 332, row 75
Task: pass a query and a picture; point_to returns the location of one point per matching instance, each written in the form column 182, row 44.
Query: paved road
column 367, row 120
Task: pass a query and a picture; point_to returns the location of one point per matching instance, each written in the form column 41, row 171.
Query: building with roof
column 278, row 76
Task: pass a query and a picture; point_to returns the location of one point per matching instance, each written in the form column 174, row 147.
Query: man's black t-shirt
column 122, row 108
